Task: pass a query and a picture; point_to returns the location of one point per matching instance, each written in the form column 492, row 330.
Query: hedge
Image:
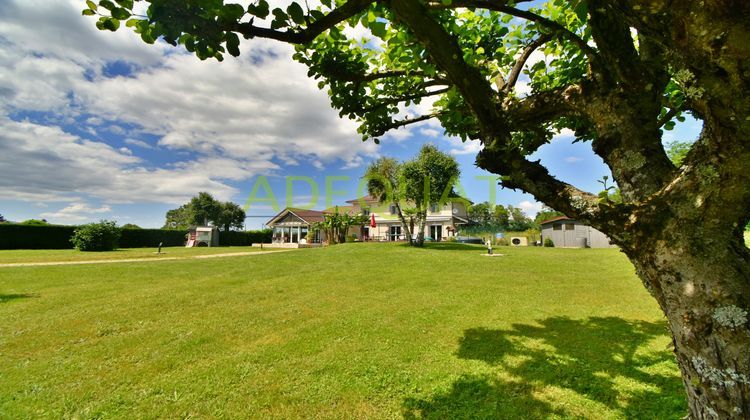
column 16, row 236
column 150, row 238
column 235, row 238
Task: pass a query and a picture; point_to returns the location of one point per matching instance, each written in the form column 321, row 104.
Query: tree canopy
column 617, row 73
column 204, row 209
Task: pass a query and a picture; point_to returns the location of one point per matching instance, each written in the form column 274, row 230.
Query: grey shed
column 570, row 233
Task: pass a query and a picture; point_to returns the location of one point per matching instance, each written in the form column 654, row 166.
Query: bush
column 102, row 236
column 548, row 243
column 502, row 241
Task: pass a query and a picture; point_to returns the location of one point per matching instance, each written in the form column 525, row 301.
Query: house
column 442, row 220
column 291, row 226
column 570, row 233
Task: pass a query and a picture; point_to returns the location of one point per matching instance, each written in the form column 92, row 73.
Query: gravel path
column 127, row 260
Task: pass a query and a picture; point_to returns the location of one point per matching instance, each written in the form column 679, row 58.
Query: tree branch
column 501, row 6
column 397, row 100
column 518, row 66
column 667, row 117
column 333, row 18
column 402, row 123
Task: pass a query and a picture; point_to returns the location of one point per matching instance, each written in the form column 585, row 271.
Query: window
column 433, row 208
column 570, row 226
column 365, row 212
column 393, row 209
column 557, row 226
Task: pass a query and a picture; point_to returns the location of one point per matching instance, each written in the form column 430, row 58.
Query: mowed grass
column 350, row 331
column 64, row 255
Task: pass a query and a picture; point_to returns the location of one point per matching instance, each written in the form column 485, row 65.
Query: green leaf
column 295, row 11
column 233, row 44
column 91, row 5
column 120, row 13
column 280, row 19
column 378, row 29
column 260, row 10
column 88, row 12
column 107, row 4
column 111, row 24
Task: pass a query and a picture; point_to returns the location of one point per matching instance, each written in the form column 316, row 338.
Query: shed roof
column 556, row 219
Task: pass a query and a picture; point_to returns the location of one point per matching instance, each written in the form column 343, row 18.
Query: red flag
column 372, row 220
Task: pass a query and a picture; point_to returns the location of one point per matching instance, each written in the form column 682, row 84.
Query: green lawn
column 350, row 331
column 62, row 255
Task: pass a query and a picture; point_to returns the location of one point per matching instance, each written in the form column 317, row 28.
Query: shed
column 570, row 233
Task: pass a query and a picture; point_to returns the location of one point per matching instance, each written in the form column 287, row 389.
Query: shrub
column 502, row 242
column 548, row 242
column 102, row 236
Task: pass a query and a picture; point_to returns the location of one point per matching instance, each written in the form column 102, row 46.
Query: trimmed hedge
column 150, row 238
column 16, row 236
column 236, row 238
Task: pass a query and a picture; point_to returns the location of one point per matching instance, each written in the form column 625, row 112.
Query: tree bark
column 701, row 283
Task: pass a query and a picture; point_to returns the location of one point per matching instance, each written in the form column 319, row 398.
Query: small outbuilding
column 570, row 233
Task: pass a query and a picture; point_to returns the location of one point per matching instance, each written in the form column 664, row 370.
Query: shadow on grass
column 15, row 296
column 603, row 360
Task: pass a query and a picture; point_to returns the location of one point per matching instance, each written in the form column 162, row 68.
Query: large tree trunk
column 701, row 282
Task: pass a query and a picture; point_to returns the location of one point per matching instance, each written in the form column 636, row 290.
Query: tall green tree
column 230, row 216
column 204, row 209
column 545, row 214
column 179, row 218
column 620, row 72
column 480, row 213
column 384, row 182
column 414, row 185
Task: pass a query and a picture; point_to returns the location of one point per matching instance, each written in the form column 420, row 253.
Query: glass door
column 436, row 232
column 395, row 233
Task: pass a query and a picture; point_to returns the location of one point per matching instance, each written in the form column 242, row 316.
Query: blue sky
column 99, row 125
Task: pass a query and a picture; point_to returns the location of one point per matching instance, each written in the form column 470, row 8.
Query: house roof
column 308, row 216
column 351, row 210
column 365, row 199
column 556, row 219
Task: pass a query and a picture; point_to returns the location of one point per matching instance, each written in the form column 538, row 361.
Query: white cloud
column 231, row 120
column 531, row 208
column 138, row 143
column 459, row 147
column 76, row 212
column 573, row 159
column 429, row 132
column 563, row 134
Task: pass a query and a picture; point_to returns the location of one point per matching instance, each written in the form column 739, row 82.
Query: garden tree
column 178, row 218
column 428, row 179
column 545, row 214
column 383, row 183
column 519, row 221
column 201, row 210
column 336, row 225
column 2, row 219
column 619, row 72
column 480, row 213
column 500, row 216
column 231, row 216
column 677, row 151
column 130, row 226
column 204, row 208
column 413, row 185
